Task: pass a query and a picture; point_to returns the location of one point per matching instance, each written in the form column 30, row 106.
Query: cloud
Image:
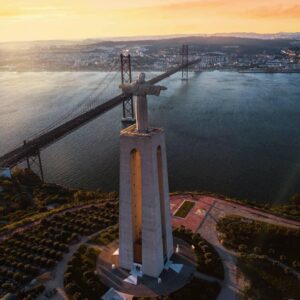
column 191, row 5
column 227, row 8
column 30, row 12
column 9, row 13
column 52, row 19
column 179, row 11
column 282, row 12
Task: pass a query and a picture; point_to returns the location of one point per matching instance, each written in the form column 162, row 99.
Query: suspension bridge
column 30, row 150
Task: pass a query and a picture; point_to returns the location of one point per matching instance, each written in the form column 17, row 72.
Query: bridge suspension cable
column 91, row 109
column 88, row 102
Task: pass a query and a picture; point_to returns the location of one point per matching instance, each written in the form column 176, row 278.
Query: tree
column 88, row 274
column 208, row 261
column 271, row 251
column 27, row 177
column 282, row 257
column 68, row 278
column 77, row 296
column 242, row 248
column 17, row 276
column 71, row 288
column 295, row 264
column 8, row 287
column 257, row 250
column 295, row 199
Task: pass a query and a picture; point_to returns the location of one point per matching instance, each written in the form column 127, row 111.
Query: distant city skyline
column 26, row 20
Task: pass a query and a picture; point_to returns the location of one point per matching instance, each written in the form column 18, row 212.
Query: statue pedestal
column 145, row 218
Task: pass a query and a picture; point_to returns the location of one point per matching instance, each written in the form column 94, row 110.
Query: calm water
column 231, row 133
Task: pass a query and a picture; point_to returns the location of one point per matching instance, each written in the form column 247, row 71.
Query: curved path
column 230, row 286
column 57, row 281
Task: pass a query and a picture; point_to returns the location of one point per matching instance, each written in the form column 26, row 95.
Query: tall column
column 156, row 231
column 145, row 223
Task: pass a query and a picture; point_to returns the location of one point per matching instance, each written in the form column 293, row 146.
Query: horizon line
column 156, row 37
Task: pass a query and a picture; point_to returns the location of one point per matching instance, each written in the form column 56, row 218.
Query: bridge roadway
column 32, row 147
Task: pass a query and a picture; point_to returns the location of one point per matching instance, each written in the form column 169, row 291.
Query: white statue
column 140, row 89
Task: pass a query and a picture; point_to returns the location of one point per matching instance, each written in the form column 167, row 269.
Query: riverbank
column 289, row 211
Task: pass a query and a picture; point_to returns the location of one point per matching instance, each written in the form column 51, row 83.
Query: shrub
column 208, row 260
column 271, row 251
column 71, row 288
column 295, row 264
column 295, row 199
column 82, row 249
column 88, row 274
column 257, row 250
column 242, row 248
column 8, row 287
column 282, row 257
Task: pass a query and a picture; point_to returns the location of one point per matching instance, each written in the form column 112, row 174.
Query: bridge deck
column 19, row 154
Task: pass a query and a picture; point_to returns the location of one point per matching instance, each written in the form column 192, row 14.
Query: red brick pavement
column 196, row 214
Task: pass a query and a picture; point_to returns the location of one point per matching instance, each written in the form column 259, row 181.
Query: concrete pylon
column 145, row 220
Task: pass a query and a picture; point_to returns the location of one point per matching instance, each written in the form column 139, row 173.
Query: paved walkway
column 207, row 277
column 230, row 285
column 284, row 266
column 57, row 281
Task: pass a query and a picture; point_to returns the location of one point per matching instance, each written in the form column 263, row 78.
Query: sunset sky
column 22, row 20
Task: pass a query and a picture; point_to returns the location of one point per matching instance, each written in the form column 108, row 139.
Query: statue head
column 141, row 78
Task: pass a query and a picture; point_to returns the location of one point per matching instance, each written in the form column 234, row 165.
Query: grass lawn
column 184, row 209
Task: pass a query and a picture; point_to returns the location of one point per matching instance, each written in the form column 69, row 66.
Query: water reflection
column 231, row 133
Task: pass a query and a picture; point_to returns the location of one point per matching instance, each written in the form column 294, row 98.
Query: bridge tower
column 128, row 109
column 35, row 159
column 185, row 61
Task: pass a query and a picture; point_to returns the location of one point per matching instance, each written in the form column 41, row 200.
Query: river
column 226, row 132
